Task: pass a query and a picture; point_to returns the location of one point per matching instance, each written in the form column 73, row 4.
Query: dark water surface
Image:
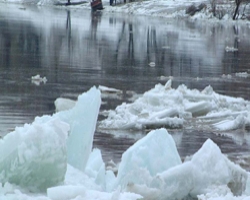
column 76, row 49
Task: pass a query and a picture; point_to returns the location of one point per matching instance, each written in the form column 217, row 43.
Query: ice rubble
column 208, row 168
column 164, row 106
column 35, row 157
column 152, row 169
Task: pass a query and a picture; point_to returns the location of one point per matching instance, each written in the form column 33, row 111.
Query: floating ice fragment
column 105, row 89
column 230, row 49
column 152, row 64
column 168, row 85
column 230, row 124
column 228, row 76
column 37, row 79
column 166, row 47
column 62, row 104
column 242, row 74
column 165, row 78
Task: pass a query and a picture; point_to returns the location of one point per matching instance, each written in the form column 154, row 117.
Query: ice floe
column 164, row 106
column 230, row 49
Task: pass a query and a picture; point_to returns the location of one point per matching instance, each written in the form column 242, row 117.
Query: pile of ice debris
column 52, row 159
column 164, row 106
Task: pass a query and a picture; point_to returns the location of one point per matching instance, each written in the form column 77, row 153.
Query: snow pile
column 108, row 92
column 164, row 106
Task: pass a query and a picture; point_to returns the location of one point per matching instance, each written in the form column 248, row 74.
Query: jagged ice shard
column 149, row 156
column 207, row 169
column 82, row 120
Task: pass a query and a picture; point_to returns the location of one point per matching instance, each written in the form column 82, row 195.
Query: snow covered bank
column 164, row 106
column 193, row 9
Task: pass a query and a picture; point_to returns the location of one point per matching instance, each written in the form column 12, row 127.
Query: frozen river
column 77, row 49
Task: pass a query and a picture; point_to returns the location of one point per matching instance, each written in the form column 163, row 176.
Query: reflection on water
column 75, row 50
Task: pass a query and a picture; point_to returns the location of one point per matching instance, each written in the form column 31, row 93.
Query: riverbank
column 215, row 10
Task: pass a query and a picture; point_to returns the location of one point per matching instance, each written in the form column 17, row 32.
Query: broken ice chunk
column 34, row 156
column 153, row 154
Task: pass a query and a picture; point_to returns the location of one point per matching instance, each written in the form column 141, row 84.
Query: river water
column 76, row 49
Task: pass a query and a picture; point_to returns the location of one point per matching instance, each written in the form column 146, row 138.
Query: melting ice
column 53, row 159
